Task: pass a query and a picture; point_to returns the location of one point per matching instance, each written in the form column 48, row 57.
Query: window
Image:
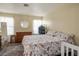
column 36, row 24
column 10, row 24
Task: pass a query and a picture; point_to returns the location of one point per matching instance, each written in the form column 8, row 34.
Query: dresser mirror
column 24, row 24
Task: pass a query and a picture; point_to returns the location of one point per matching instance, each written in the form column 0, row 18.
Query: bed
column 45, row 45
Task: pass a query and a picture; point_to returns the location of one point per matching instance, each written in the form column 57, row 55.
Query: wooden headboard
column 20, row 35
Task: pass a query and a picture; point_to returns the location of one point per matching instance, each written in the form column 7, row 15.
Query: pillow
column 50, row 32
column 61, row 35
column 56, row 34
column 66, row 36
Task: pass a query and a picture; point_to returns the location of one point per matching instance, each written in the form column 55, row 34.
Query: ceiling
column 37, row 9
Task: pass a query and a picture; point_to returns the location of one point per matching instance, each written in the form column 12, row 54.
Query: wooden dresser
column 20, row 35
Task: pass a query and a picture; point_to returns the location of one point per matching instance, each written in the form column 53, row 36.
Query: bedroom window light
column 36, row 24
column 10, row 24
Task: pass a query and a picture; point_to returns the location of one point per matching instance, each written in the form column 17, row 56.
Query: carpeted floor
column 12, row 50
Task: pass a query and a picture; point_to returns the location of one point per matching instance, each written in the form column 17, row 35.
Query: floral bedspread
column 44, row 45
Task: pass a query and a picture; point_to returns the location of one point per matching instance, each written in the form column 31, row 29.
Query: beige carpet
column 12, row 50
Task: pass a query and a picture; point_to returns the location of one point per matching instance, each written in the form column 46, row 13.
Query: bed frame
column 68, row 49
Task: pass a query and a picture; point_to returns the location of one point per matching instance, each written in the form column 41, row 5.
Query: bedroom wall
column 18, row 18
column 66, row 19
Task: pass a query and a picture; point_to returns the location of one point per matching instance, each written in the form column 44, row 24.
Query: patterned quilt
column 45, row 45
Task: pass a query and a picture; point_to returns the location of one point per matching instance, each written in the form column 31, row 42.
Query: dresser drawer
column 20, row 35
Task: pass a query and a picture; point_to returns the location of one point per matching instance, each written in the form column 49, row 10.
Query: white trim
column 68, row 45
